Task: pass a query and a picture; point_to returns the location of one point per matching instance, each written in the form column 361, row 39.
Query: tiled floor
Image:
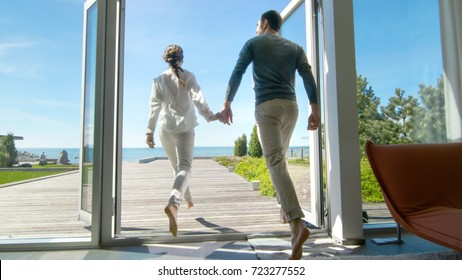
column 318, row 247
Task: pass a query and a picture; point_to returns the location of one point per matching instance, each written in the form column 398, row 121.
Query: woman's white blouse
column 172, row 106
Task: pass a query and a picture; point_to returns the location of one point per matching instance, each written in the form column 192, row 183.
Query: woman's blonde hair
column 173, row 55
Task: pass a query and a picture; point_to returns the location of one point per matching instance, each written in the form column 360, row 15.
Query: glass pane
column 294, row 29
column 41, row 97
column 400, row 89
column 223, row 201
column 89, row 109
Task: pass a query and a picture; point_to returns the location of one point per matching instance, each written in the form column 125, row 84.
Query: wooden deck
column 224, row 203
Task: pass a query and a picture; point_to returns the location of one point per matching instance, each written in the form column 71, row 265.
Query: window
column 400, row 82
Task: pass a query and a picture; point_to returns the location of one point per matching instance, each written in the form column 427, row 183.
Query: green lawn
column 17, row 175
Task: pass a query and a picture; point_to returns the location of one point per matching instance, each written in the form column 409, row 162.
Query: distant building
column 14, row 137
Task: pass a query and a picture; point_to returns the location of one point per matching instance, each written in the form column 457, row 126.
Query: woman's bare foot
column 299, row 235
column 190, row 204
column 172, row 211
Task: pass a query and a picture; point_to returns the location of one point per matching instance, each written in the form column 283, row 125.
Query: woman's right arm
column 155, row 107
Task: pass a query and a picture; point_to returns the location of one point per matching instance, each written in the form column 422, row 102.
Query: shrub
column 370, row 188
column 254, row 144
column 223, row 160
column 8, row 152
column 240, row 146
column 4, row 159
column 227, row 160
column 254, row 169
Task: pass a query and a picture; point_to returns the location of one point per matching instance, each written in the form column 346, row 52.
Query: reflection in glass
column 400, row 88
column 44, row 47
column 298, row 154
column 89, row 109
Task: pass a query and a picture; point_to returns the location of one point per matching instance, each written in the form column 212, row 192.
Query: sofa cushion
column 422, row 187
column 441, row 225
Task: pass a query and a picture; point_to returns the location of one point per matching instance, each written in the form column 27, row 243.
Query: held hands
column 150, row 137
column 227, row 113
column 217, row 116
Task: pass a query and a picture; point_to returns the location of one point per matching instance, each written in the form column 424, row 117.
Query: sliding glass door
column 304, row 156
column 88, row 121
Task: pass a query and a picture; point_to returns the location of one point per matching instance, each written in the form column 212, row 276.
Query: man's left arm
column 304, row 70
column 245, row 58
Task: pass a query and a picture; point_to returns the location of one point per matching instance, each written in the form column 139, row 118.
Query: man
column 275, row 61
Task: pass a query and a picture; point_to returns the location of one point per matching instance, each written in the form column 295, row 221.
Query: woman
column 173, row 96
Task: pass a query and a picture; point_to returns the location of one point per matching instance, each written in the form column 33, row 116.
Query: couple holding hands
column 176, row 93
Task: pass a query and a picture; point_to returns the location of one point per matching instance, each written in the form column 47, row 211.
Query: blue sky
column 397, row 45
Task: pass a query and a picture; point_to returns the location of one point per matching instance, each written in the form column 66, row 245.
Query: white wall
column 342, row 141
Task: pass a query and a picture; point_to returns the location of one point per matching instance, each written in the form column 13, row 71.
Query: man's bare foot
column 172, row 212
column 190, row 204
column 299, row 235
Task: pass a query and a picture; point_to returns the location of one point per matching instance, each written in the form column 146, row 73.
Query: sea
column 135, row 154
column 128, row 154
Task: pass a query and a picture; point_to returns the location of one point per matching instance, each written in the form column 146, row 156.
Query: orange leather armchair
column 422, row 187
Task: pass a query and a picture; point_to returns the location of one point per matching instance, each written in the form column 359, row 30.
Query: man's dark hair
column 274, row 19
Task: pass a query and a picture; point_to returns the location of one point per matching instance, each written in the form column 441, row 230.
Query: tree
column 372, row 125
column 368, row 103
column 8, row 152
column 240, row 146
column 403, row 119
column 401, row 112
column 254, row 144
column 430, row 126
